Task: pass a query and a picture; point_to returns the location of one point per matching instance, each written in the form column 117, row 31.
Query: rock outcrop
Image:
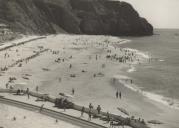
column 73, row 16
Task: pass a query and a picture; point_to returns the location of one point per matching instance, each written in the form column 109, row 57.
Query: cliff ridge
column 97, row 17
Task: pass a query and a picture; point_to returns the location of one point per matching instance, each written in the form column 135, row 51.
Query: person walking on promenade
column 90, row 106
column 99, row 109
column 28, row 95
column 108, row 117
column 89, row 114
column 82, row 111
column 64, row 104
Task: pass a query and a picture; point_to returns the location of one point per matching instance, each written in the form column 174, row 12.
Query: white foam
column 120, row 77
column 144, row 55
column 161, row 60
column 132, row 69
column 172, row 103
column 139, row 53
column 125, row 41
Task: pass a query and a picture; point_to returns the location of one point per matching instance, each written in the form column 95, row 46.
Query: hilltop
column 100, row 17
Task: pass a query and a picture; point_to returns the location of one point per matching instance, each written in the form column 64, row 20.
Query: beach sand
column 51, row 72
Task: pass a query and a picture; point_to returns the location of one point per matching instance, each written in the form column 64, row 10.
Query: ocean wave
column 161, row 60
column 172, row 103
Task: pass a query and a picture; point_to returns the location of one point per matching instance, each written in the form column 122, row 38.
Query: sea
column 157, row 79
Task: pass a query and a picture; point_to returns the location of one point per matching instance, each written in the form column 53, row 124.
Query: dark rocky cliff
column 73, row 16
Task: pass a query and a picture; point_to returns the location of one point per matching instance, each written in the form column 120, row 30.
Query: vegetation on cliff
column 73, row 16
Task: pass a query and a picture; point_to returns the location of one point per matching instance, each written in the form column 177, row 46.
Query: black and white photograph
column 89, row 63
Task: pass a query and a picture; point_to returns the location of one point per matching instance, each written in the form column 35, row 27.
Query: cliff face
column 73, row 16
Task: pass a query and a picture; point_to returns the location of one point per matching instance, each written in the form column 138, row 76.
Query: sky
column 160, row 13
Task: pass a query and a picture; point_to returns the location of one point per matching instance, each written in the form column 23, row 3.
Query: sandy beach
column 91, row 66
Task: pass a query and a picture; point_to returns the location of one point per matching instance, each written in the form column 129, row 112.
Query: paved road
column 57, row 115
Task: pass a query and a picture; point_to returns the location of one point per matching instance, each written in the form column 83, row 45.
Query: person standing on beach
column 56, row 121
column 70, row 66
column 94, row 75
column 99, row 109
column 59, row 79
column 7, row 84
column 14, row 118
column 117, row 94
column 37, row 88
column 120, row 95
column 131, row 81
column 73, row 91
column 90, row 106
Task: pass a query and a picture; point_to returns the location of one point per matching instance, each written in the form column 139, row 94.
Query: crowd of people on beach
column 116, row 54
column 19, row 61
column 126, row 56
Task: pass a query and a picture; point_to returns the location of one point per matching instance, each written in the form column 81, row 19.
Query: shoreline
column 167, row 101
column 165, row 105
